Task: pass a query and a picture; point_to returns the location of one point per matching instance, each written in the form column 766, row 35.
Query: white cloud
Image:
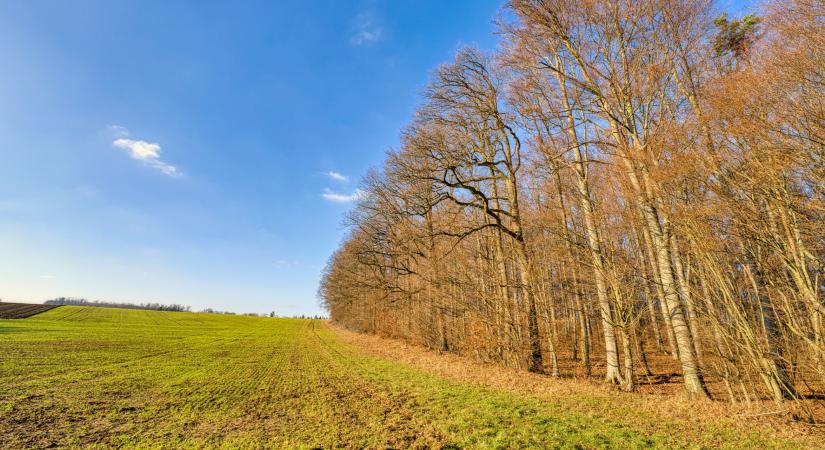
column 366, row 29
column 118, row 131
column 337, row 197
column 365, row 36
column 337, row 176
column 140, row 150
column 146, row 152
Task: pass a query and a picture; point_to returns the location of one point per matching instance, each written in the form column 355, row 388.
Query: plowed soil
column 22, row 310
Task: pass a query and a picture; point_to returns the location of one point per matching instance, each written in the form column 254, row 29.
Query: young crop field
column 99, row 377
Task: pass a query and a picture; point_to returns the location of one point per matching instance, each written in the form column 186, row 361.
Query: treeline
column 214, row 311
column 620, row 178
column 153, row 306
column 102, row 304
column 270, row 314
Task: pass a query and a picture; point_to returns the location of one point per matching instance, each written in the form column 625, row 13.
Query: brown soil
column 22, row 310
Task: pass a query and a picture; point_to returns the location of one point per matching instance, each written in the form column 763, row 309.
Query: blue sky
column 201, row 152
column 252, row 105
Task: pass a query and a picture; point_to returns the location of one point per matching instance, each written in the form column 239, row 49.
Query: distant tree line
column 270, row 314
column 84, row 302
column 213, row 311
column 620, row 179
column 74, row 301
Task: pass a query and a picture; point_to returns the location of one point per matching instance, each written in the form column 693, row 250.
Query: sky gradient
column 201, row 153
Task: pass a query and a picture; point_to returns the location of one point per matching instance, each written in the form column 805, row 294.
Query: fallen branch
column 765, row 413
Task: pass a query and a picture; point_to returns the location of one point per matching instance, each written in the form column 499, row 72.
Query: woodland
column 630, row 190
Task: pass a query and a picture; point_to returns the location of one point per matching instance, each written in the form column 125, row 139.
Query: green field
column 79, row 376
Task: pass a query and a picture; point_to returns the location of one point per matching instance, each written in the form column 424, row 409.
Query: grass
column 98, row 377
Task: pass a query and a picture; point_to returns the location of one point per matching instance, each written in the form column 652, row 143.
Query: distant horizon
column 111, row 304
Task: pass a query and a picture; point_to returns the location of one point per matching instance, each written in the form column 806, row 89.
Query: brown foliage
column 610, row 172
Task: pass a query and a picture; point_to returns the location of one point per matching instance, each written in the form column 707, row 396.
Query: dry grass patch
column 655, row 411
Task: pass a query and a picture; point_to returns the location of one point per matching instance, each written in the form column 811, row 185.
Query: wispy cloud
column 146, row 152
column 365, row 29
column 337, row 176
column 338, row 197
column 118, row 131
column 286, row 263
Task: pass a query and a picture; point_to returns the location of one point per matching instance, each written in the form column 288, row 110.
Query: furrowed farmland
column 21, row 310
column 100, row 377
